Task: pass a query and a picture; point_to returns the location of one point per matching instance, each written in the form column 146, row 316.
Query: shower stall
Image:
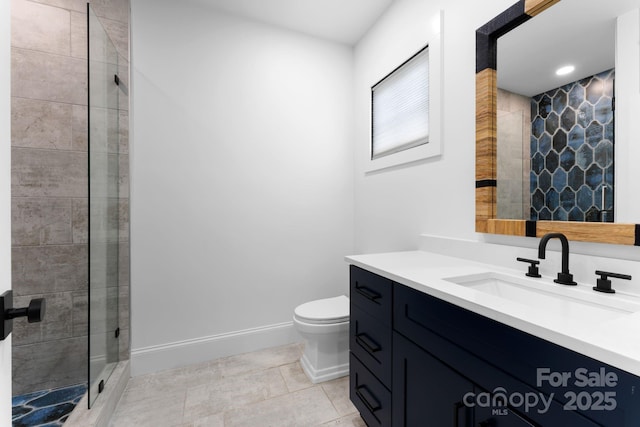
column 70, row 202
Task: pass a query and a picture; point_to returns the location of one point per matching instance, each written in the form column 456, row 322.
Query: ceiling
column 572, row 31
column 342, row 21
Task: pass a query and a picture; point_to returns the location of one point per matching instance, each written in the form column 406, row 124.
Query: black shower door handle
column 34, row 312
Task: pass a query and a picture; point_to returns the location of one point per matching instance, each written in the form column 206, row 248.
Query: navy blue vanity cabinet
column 502, row 367
column 370, row 346
column 417, row 360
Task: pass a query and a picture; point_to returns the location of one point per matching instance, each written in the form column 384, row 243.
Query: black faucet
column 564, row 277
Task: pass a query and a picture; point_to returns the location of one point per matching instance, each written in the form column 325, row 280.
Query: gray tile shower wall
column 514, row 131
column 49, row 185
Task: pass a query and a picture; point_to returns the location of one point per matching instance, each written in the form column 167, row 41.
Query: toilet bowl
column 324, row 325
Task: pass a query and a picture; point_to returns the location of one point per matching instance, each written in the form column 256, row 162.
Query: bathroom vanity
column 427, row 350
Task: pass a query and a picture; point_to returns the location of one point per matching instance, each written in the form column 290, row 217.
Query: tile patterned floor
column 260, row 389
column 47, row 408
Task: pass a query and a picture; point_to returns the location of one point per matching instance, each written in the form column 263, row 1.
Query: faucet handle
column 533, row 267
column 604, row 284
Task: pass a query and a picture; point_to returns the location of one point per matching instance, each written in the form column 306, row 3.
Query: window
column 400, row 108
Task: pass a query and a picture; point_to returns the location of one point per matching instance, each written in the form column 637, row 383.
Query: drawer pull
column 366, row 397
column 367, row 293
column 367, row 343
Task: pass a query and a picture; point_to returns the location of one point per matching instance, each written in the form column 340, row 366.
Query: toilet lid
column 328, row 310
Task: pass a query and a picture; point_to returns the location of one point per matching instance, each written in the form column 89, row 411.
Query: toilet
column 324, row 325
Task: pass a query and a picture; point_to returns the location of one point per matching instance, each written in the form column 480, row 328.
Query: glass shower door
column 103, row 205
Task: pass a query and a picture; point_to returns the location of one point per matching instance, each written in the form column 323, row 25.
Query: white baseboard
column 177, row 354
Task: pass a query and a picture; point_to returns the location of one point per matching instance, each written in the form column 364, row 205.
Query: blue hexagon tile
column 47, row 408
column 572, row 151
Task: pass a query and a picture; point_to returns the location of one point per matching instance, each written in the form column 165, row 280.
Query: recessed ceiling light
column 565, row 70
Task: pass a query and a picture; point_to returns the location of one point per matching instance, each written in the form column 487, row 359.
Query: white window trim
column 434, row 147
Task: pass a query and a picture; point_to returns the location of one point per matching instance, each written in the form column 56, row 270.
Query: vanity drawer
column 368, row 395
column 370, row 341
column 372, row 293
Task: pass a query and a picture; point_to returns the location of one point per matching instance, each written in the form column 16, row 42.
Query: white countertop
column 615, row 342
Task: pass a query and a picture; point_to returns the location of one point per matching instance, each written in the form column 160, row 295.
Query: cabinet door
column 489, row 417
column 426, row 392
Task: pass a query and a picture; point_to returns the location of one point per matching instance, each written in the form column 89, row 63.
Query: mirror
column 545, row 143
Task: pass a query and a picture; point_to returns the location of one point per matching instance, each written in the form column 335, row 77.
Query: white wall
column 241, row 180
column 436, row 196
column 5, row 200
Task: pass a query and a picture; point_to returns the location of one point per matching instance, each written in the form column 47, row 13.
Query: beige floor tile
column 216, row 420
column 264, row 388
column 351, row 420
column 304, row 408
column 158, row 381
column 262, row 359
column 232, row 392
column 200, row 374
column 155, row 389
column 150, row 410
column 294, row 377
column 179, row 378
column 338, row 392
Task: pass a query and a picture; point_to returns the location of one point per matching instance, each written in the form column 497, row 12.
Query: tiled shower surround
column 514, row 159
column 572, row 136
column 49, row 186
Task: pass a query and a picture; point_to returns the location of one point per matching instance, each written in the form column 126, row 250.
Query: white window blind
column 400, row 108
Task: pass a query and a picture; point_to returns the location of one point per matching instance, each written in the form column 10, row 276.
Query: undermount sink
column 579, row 304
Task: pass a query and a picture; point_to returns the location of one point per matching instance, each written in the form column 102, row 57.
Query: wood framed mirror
column 487, row 220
